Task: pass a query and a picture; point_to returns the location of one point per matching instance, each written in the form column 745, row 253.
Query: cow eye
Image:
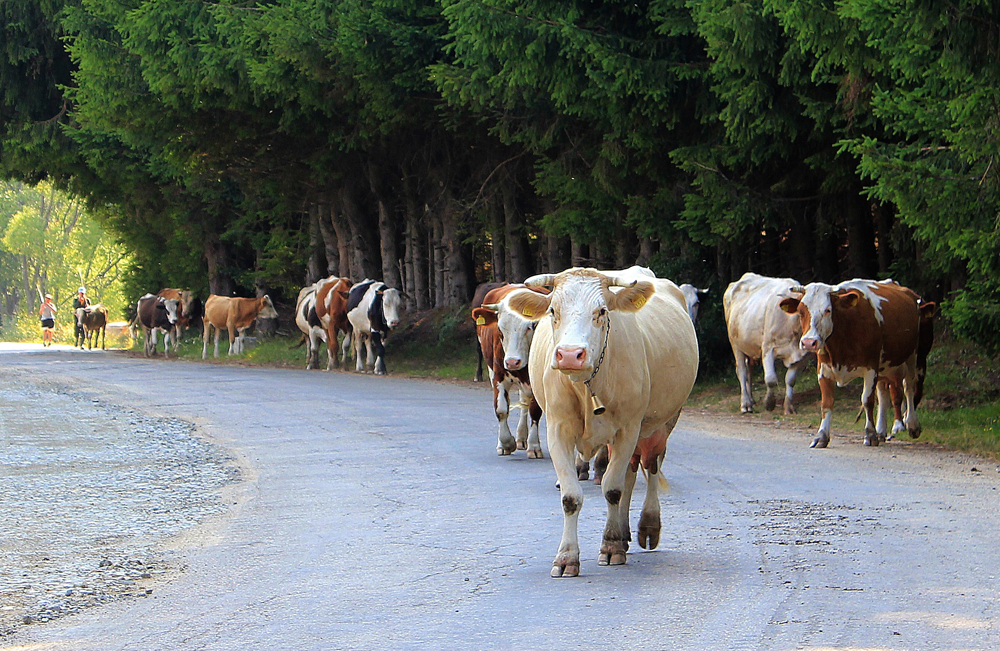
column 602, row 311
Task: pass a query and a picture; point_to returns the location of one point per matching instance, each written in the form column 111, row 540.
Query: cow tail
column 301, row 342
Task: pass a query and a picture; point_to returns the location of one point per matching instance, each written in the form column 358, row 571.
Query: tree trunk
column 579, row 253
column 314, row 265
column 436, row 239
column 498, row 237
column 826, row 266
column 342, row 229
column 220, row 282
column 387, row 244
column 416, row 241
column 364, row 248
column 647, row 249
column 331, row 244
column 860, row 237
column 559, row 254
column 517, row 241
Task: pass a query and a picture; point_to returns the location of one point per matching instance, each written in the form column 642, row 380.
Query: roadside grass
column 960, row 408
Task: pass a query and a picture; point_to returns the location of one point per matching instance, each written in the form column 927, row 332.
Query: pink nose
column 570, row 359
column 392, row 324
column 810, row 345
column 512, row 363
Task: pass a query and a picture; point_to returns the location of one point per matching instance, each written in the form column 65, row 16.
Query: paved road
column 375, row 514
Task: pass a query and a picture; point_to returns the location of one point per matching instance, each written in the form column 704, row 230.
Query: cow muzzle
column 571, row 358
column 513, row 363
column 809, row 345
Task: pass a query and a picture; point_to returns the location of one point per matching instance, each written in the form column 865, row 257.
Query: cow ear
column 484, row 317
column 529, row 304
column 789, row 305
column 630, row 299
column 928, row 310
column 849, row 300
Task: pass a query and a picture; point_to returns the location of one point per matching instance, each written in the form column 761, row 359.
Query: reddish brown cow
column 477, row 299
column 505, row 341
column 331, row 309
column 234, row 315
column 868, row 329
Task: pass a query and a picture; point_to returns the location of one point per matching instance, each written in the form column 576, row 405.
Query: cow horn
column 616, row 282
column 492, row 307
column 541, row 280
column 797, row 289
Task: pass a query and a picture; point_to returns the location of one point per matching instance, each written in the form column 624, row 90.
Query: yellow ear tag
column 528, row 312
column 639, row 301
column 480, row 320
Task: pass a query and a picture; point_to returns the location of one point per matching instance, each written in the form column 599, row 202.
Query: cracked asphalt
column 373, row 512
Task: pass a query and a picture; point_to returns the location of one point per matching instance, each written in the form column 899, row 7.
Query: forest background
column 249, row 147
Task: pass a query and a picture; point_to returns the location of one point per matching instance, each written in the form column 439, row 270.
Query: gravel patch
column 89, row 492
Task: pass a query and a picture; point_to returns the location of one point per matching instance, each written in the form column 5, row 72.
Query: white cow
column 759, row 329
column 609, row 369
column 692, row 296
column 373, row 310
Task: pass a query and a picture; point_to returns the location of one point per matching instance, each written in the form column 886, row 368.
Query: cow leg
column 868, row 403
column 562, row 450
column 218, row 333
column 791, row 375
column 897, row 409
column 345, row 348
column 379, row 348
column 523, row 400
column 535, row 414
column 911, row 421
column 104, row 337
column 600, row 464
column 770, row 379
column 582, row 468
column 359, row 363
column 883, row 406
column 743, row 374
column 501, row 405
column 615, row 542
column 479, row 363
column 370, row 361
column 166, row 344
column 826, row 388
column 204, row 338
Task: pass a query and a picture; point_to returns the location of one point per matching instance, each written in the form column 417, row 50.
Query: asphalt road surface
column 373, row 513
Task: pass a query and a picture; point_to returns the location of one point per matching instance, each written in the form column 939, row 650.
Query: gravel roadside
column 89, row 493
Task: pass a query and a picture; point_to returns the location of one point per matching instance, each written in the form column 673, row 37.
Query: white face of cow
column 516, row 333
column 173, row 309
column 692, row 296
column 579, row 307
column 267, row 310
column 391, row 303
column 815, row 310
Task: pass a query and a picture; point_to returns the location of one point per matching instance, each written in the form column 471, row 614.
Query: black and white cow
column 153, row 314
column 373, row 310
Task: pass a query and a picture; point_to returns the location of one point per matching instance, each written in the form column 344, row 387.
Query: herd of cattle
column 610, row 357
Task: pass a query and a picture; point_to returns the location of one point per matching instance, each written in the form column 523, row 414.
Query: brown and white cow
column 482, row 289
column 189, row 310
column 759, row 329
column 331, row 310
column 94, row 321
column 308, row 321
column 505, row 342
column 609, row 368
column 235, row 315
column 867, row 329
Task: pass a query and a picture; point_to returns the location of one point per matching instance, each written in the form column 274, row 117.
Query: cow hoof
column 746, row 410
column 915, row 433
column 522, row 445
column 649, row 532
column 503, row 452
column 566, row 570
column 535, row 454
column 614, row 558
column 770, row 402
column 789, row 409
column 583, row 471
column 820, row 442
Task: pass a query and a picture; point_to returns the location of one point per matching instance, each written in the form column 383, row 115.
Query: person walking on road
column 47, row 313
column 80, row 300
